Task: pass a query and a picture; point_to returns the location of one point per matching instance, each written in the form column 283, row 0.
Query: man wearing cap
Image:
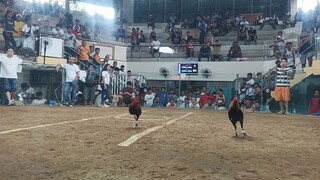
column 8, row 75
column 17, row 34
column 8, row 29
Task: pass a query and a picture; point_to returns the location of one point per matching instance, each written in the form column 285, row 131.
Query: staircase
column 308, row 71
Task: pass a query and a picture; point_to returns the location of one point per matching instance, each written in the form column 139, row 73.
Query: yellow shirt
column 18, row 29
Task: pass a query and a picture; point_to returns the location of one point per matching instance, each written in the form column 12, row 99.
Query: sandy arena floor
column 83, row 143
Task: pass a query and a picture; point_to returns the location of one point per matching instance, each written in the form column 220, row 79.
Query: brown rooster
column 235, row 114
column 135, row 110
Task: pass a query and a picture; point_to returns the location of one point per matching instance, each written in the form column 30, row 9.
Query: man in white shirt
column 71, row 85
column 27, row 31
column 105, row 85
column 8, row 75
column 58, row 31
column 155, row 47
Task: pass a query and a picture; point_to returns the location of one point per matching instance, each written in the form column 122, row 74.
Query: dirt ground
column 83, row 143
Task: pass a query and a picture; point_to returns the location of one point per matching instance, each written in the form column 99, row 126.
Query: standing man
column 8, row 75
column 203, row 29
column 282, row 91
column 71, row 85
column 8, row 29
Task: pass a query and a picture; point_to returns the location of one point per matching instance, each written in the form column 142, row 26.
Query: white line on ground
column 136, row 137
column 54, row 124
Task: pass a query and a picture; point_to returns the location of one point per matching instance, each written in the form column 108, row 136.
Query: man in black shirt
column 205, row 51
column 8, row 28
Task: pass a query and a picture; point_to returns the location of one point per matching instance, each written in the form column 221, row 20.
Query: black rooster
column 235, row 114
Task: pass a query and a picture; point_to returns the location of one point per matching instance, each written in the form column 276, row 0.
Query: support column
column 127, row 10
column 293, row 7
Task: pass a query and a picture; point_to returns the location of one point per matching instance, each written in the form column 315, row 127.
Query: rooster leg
column 235, row 129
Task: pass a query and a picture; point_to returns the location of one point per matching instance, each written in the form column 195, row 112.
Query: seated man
column 38, row 100
column 234, row 51
column 314, row 105
column 217, row 55
column 156, row 102
column 252, row 35
column 121, row 34
column 242, row 34
column 209, row 105
column 124, row 99
column 205, row 51
column 27, row 93
column 155, row 47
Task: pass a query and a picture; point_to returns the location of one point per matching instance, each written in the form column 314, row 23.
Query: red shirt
column 314, row 106
column 204, row 99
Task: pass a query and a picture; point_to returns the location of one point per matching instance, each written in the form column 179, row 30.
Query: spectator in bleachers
column 152, row 34
column 141, row 37
column 155, row 47
column 242, row 34
column 278, row 47
column 18, row 24
column 234, row 51
column 250, row 86
column 176, row 41
column 83, row 55
column 164, row 96
column 96, row 60
column 26, row 14
column 217, row 54
column 69, row 19
column 149, row 97
column 245, row 23
column 133, row 38
column 77, row 27
column 205, row 51
column 252, row 33
column 57, row 31
column 56, row 9
column 171, row 104
column 314, row 105
column 121, row 33
column 202, row 28
column 151, row 22
column 205, row 97
column 221, row 100
column 305, row 50
column 78, row 41
column 87, row 35
column 8, row 29
column 28, row 34
column 194, row 104
column 122, row 71
column 45, row 29
column 209, row 105
column 190, row 49
column 289, row 53
column 69, row 42
column 156, row 103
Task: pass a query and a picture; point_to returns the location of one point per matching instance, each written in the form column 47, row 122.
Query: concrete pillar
column 127, row 10
column 293, row 7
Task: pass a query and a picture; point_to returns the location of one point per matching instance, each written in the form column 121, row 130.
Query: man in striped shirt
column 282, row 91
